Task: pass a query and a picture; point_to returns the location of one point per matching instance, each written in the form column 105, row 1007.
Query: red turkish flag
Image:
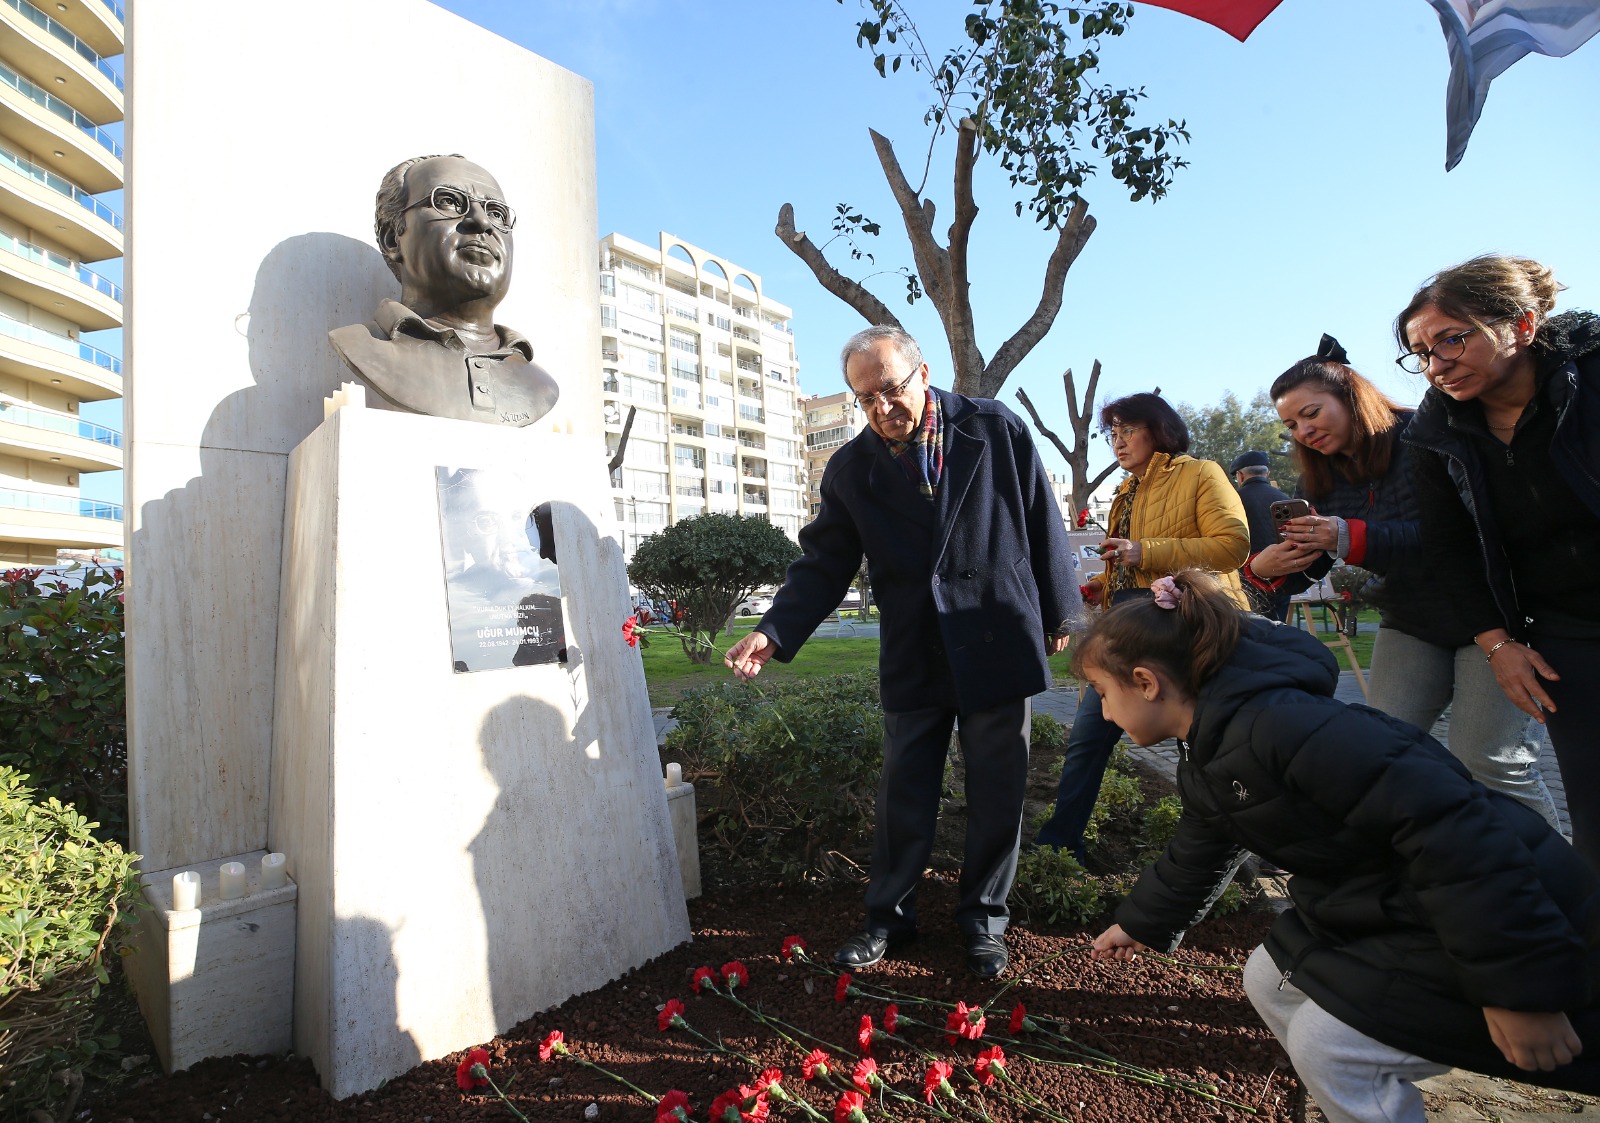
column 1237, row 17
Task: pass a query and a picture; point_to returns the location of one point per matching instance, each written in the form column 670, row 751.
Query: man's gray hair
column 1255, row 470
column 862, row 342
column 389, row 217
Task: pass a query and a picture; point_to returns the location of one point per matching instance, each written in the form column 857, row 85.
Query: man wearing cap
column 1258, row 495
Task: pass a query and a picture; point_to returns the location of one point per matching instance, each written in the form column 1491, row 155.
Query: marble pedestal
column 219, row 979
column 470, row 848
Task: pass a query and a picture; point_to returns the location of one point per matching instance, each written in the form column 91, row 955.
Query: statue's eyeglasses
column 455, row 202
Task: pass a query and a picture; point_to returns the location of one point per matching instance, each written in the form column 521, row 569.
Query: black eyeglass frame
column 1424, row 359
column 487, row 202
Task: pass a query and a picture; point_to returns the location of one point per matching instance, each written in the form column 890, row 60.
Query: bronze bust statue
column 444, row 228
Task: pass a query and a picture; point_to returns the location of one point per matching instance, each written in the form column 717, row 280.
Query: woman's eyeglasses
column 1446, row 350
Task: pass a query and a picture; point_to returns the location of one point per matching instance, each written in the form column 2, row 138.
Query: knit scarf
column 922, row 456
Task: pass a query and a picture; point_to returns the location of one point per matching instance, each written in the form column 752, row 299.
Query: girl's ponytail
column 1188, row 628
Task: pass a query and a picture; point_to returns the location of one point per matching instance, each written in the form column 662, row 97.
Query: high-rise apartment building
column 57, row 90
column 830, row 421
column 707, row 358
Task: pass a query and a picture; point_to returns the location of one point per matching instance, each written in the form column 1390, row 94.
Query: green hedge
column 63, row 711
column 785, row 776
column 61, row 893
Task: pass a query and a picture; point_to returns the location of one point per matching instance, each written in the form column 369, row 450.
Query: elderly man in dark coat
column 976, row 584
column 1250, row 471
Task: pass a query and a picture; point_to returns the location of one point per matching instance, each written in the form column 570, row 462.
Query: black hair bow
column 1329, row 351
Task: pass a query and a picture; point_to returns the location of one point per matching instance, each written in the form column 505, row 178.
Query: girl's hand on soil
column 1534, row 1042
column 1114, row 943
column 1281, row 558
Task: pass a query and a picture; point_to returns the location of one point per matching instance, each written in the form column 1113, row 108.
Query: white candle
column 674, row 775
column 232, row 881
column 186, row 891
column 274, row 871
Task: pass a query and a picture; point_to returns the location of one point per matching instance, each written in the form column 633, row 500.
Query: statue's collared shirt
column 418, row 367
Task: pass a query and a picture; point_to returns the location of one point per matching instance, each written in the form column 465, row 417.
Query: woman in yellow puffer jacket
column 1173, row 512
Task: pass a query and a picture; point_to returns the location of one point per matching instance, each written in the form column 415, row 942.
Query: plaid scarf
column 922, row 456
column 1119, row 577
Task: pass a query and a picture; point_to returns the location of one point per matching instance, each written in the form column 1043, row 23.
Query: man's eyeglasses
column 1122, row 433
column 1446, row 350
column 455, row 202
column 894, row 393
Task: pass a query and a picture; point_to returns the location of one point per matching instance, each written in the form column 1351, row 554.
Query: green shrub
column 1047, row 735
column 1119, row 800
column 62, row 699
column 1231, row 900
column 785, row 776
column 1052, row 888
column 1159, row 825
column 61, row 892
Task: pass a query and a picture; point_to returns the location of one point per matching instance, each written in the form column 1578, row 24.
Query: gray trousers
column 994, row 747
column 1414, row 681
column 1353, row 1078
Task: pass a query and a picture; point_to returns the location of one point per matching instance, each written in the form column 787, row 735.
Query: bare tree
column 1082, row 421
column 1016, row 91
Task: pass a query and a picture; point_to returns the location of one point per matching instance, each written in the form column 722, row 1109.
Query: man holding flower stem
column 976, row 584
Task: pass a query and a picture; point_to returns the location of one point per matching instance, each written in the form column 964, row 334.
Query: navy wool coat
column 967, row 586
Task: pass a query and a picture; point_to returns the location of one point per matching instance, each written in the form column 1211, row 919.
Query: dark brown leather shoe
column 864, row 949
column 986, row 955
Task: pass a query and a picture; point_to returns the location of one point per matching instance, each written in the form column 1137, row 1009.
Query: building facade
column 707, row 360
column 57, row 91
column 830, row 421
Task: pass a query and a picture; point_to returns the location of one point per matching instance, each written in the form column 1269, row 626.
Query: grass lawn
column 669, row 673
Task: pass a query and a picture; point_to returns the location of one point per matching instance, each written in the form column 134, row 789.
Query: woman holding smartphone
column 1508, row 482
column 1355, row 471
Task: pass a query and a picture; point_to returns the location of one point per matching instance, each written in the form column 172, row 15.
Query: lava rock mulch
column 1189, row 1022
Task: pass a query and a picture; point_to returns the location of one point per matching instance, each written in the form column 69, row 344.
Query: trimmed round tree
column 705, row 566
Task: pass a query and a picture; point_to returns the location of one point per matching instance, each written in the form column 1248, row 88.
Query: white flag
column 1486, row 36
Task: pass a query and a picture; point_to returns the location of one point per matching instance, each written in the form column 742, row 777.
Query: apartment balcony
column 49, row 280
column 44, row 200
column 97, row 22
column 751, row 365
column 49, row 54
column 60, row 438
column 52, row 359
column 59, row 520
column 39, row 121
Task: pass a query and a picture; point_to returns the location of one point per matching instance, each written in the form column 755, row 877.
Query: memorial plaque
column 501, row 583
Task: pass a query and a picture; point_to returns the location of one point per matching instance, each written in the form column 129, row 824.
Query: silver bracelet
column 1489, row 658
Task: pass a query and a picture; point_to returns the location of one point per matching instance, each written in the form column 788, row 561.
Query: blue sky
column 1316, row 199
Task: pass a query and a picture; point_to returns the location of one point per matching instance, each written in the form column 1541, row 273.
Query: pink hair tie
column 1166, row 592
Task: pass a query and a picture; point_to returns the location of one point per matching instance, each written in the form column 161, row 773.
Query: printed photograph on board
column 501, row 583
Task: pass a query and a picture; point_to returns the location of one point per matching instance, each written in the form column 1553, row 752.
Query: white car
column 755, row 606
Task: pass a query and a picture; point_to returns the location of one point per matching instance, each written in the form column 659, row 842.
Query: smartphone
column 1287, row 509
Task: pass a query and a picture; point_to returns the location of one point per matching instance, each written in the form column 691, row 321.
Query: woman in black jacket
column 1435, row 923
column 1507, row 474
column 1354, row 470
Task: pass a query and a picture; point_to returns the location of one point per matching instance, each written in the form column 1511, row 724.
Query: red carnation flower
column 815, row 1065
column 843, row 988
column 964, row 1021
column 937, row 1079
column 630, row 631
column 792, row 944
column 670, row 1014
column 554, row 1042
column 864, row 1034
column 1019, row 1019
column 753, row 1105
column 891, row 1018
column 848, row 1109
column 727, row 1108
column 473, row 1071
column 705, row 977
column 1083, row 518
column 865, row 1074
column 769, row 1079
column 673, row 1108
column 735, row 975
column 990, row 1063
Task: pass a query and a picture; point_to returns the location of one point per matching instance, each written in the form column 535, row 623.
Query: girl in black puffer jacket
column 1435, row 924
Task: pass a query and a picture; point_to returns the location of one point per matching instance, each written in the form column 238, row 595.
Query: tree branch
column 1088, row 394
column 1066, row 453
column 853, row 293
column 958, row 320
column 933, row 263
column 1069, row 244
